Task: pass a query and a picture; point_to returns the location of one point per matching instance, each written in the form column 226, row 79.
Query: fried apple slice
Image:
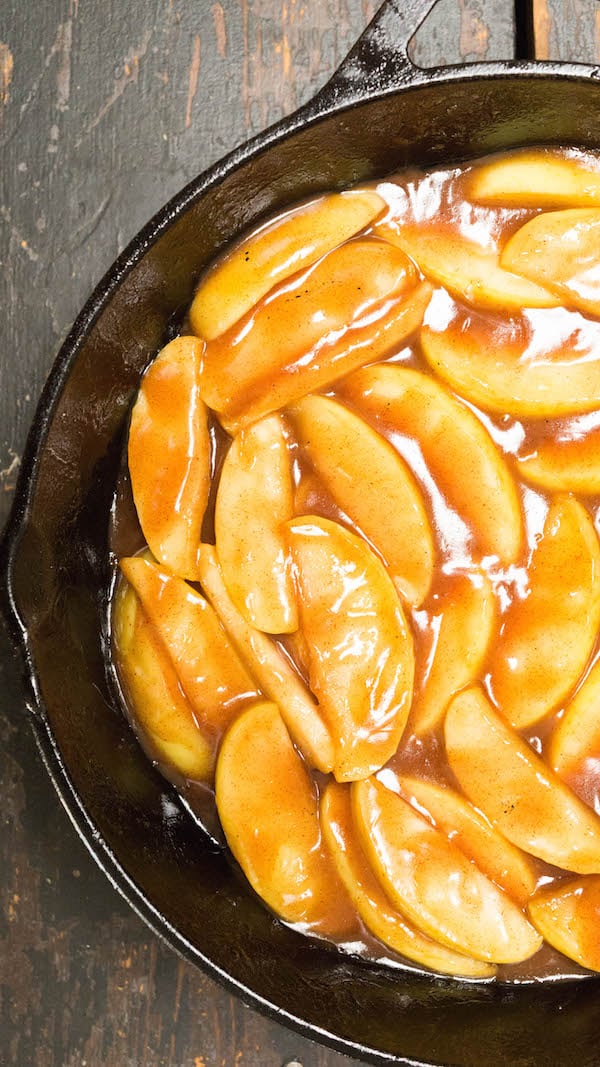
column 255, row 496
column 568, row 916
column 467, row 623
column 560, row 249
column 569, row 465
column 457, row 449
column 278, row 249
column 547, row 637
column 543, row 368
column 576, row 736
column 169, row 455
column 210, row 672
column 272, row 670
column 355, row 305
column 467, row 269
column 153, row 692
column 359, row 643
column 512, row 785
column 373, row 486
column 536, row 178
column 430, row 880
column 474, row 835
column 268, row 808
column 370, row 901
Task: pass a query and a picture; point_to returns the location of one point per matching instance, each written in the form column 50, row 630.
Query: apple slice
column 568, row 916
column 430, row 880
column 576, row 736
column 559, row 249
column 373, row 486
column 536, row 177
column 512, row 785
column 547, row 637
column 359, row 642
column 543, row 367
column 278, row 249
column 210, row 672
column 255, row 495
column 169, row 455
column 271, row 668
column 469, row 270
column 370, row 901
column 569, row 465
column 268, row 808
column 355, row 305
column 457, row 449
column 468, row 621
column 153, row 692
column 474, row 835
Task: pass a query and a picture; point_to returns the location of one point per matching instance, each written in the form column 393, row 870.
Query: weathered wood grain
column 106, row 110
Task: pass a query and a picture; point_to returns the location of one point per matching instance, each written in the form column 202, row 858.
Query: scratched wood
column 106, row 110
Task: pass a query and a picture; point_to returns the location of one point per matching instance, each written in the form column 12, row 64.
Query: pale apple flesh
column 569, row 464
column 568, row 917
column 536, row 178
column 576, row 736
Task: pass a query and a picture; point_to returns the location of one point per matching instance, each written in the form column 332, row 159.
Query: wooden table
column 106, row 110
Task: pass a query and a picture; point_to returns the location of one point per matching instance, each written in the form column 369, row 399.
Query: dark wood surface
column 106, row 110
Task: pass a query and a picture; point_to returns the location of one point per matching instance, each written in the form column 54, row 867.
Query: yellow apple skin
column 576, row 736
column 275, row 251
column 371, row 903
column 355, row 305
column 468, row 622
column 467, row 269
column 373, row 486
column 210, row 672
column 360, row 645
column 536, row 178
column 559, row 249
column 430, row 880
column 456, row 447
column 548, row 636
column 255, row 496
column 524, row 799
column 474, row 835
column 502, row 367
column 268, row 664
column 169, row 455
column 153, row 692
column 268, row 807
column 568, row 917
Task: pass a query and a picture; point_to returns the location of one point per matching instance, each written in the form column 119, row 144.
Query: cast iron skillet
column 378, row 113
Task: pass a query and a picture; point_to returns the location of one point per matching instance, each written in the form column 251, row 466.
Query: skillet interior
column 57, row 556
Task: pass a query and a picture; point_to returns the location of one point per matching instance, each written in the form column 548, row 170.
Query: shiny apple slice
column 268, row 808
column 469, row 270
column 547, row 637
column 568, row 916
column 359, row 642
column 210, row 672
column 370, row 901
column 576, row 737
column 474, row 835
column 569, row 465
column 467, row 623
column 457, row 449
column 153, row 692
column 271, row 668
column 559, row 249
column 512, row 785
column 169, row 455
column 430, row 880
column 355, row 305
column 255, row 495
column 278, row 249
column 545, row 364
column 373, row 486
column 536, row 178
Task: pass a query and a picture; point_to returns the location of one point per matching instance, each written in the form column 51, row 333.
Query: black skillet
column 378, row 113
